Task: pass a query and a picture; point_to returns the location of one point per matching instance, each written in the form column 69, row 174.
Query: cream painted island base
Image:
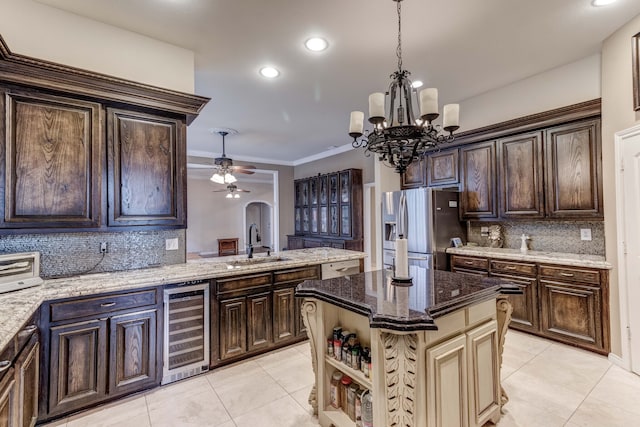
column 440, row 369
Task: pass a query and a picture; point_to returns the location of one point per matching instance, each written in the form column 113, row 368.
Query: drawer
column 240, row 283
column 469, row 262
column 570, row 274
column 513, row 268
column 295, row 275
column 98, row 305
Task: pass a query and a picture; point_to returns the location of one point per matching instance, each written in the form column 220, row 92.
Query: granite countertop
column 576, row 260
column 19, row 306
column 404, row 308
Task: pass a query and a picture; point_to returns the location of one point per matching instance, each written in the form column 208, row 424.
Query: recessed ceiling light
column 269, row 72
column 598, row 3
column 316, row 44
column 416, row 84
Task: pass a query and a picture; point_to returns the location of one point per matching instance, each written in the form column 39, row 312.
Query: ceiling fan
column 224, row 165
column 232, row 191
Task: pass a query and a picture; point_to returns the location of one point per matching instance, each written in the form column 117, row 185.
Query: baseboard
column 619, row 361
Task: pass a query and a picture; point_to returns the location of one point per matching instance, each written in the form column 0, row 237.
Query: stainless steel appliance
column 428, row 219
column 186, row 330
column 19, row 271
column 334, row 269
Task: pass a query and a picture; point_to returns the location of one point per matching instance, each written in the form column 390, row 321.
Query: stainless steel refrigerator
column 429, row 220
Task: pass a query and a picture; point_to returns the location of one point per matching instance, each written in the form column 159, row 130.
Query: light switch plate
column 171, row 244
column 585, row 234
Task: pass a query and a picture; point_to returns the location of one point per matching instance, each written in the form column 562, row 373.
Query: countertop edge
column 29, row 300
column 556, row 258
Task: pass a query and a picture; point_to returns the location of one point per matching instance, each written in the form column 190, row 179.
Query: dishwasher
column 186, row 330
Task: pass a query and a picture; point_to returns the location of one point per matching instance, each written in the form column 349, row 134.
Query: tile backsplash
column 553, row 236
column 68, row 254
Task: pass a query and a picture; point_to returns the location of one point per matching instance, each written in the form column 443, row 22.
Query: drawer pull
column 510, row 267
column 566, row 274
column 107, row 304
column 4, row 365
column 469, row 262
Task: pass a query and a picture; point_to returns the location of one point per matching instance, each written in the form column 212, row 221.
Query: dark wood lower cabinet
column 8, row 396
column 258, row 321
column 525, row 306
column 254, row 313
column 283, row 315
column 564, row 303
column 99, row 347
column 28, row 376
column 132, row 361
column 572, row 312
column 78, row 368
column 233, row 327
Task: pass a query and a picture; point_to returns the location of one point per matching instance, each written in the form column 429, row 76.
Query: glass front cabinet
column 328, row 211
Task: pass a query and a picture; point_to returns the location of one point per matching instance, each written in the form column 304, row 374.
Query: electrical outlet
column 585, row 234
column 484, row 231
column 171, row 244
column 104, row 247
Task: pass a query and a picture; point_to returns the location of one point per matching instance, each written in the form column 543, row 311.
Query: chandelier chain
column 399, row 48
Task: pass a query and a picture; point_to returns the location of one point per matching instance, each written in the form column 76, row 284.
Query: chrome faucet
column 250, row 240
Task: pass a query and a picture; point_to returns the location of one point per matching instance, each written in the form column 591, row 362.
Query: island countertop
column 19, row 306
column 404, row 308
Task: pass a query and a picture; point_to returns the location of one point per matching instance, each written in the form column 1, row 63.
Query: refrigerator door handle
column 402, row 215
column 418, row 258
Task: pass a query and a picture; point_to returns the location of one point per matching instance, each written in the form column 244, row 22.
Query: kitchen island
column 435, row 347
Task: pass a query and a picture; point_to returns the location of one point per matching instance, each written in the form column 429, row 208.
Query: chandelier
column 399, row 138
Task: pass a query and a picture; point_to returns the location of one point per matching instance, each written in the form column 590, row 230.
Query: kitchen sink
column 257, row 260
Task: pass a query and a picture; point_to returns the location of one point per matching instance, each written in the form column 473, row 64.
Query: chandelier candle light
column 399, row 138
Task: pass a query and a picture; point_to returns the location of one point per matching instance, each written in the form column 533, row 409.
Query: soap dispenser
column 523, row 246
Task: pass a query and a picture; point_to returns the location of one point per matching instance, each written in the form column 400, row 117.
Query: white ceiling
column 463, row 47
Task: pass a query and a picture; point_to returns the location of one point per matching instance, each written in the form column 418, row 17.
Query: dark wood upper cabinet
column 51, row 148
column 520, row 176
column 442, row 168
column 574, row 170
column 146, row 165
column 415, row 176
column 478, row 170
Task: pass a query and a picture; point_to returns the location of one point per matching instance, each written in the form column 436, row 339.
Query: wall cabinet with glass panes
column 328, row 210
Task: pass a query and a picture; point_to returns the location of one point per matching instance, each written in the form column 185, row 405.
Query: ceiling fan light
column 229, row 196
column 236, row 196
column 217, row 178
column 229, row 179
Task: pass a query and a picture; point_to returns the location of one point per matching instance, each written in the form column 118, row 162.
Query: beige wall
column 349, row 159
column 211, row 216
column 617, row 115
column 69, row 39
column 569, row 84
column 285, row 195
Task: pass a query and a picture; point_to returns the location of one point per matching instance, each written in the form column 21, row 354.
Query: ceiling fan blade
column 240, row 190
column 244, row 171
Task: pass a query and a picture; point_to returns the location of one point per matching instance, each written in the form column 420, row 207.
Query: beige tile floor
column 549, row 384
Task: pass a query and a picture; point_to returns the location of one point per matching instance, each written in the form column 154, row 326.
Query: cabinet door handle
column 566, row 274
column 107, row 304
column 28, row 330
column 4, row 365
